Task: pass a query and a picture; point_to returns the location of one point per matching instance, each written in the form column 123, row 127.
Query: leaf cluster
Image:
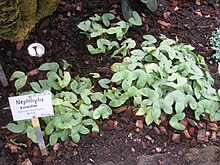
column 73, row 100
column 100, row 27
column 164, row 79
column 215, row 44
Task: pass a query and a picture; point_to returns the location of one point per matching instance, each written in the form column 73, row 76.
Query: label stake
column 38, row 133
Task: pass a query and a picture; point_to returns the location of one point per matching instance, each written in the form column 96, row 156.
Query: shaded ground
column 192, row 22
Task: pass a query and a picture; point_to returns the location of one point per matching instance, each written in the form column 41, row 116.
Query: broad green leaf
column 53, row 81
column 191, row 101
column 66, row 80
column 150, row 93
column 20, row 83
column 85, row 25
column 117, row 102
column 17, row 128
column 103, row 111
column 106, row 18
column 83, row 130
column 49, row 128
column 142, row 111
column 95, row 127
column 17, row 75
column 178, row 98
column 85, row 110
column 103, row 83
column 174, row 121
column 149, row 40
column 75, row 137
column 64, row 135
column 31, row 134
column 67, row 96
column 54, row 137
column 126, row 9
column 156, row 110
column 148, row 118
column 98, row 96
column 36, row 87
column 135, row 19
column 93, row 50
column 52, row 66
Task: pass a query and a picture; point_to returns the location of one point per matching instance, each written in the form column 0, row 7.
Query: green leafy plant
column 215, row 44
column 72, row 102
column 168, row 78
column 93, row 28
column 129, row 14
column 20, row 79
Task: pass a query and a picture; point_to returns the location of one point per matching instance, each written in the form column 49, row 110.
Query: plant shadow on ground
column 192, row 22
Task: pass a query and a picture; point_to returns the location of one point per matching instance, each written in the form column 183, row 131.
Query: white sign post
column 32, row 106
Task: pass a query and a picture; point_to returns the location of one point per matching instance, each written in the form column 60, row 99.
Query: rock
column 207, row 155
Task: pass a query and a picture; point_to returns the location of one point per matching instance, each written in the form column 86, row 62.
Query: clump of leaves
column 168, row 78
column 100, row 26
column 73, row 99
column 215, row 44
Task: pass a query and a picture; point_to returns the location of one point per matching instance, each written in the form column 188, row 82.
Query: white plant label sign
column 26, row 106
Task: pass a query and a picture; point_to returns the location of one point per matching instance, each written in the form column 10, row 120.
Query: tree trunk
column 18, row 17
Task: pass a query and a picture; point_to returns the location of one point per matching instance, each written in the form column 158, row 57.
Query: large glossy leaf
column 126, row 9
column 151, row 4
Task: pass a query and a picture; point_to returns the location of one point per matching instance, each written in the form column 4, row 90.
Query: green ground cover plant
column 161, row 76
column 215, row 44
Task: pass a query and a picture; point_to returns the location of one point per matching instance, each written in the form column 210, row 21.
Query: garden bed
column 191, row 22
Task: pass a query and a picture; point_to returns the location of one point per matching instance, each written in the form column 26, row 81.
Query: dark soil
column 191, row 21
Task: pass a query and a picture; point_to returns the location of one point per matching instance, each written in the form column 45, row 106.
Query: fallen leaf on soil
column 201, row 136
column 212, row 126
column 19, row 45
column 192, row 122
column 186, row 133
column 33, row 72
column 26, row 162
column 13, row 148
column 164, row 24
column 176, row 137
column 56, row 147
